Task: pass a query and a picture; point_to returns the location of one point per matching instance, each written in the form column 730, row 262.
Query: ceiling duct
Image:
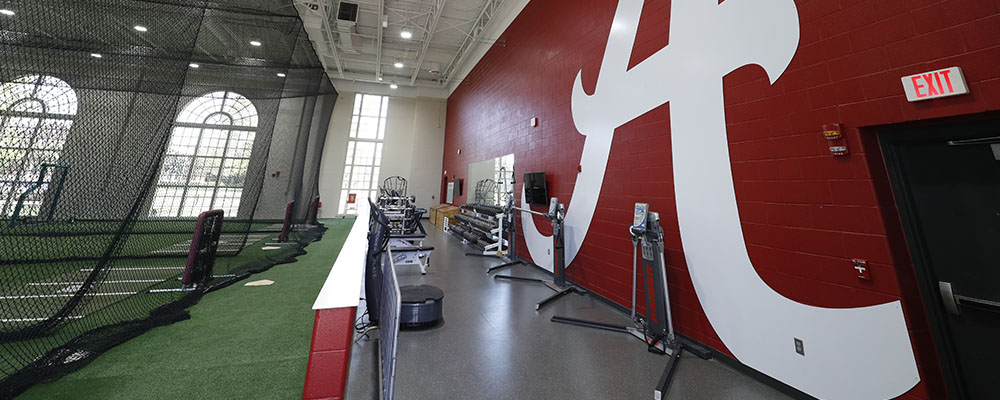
column 347, row 12
column 346, row 23
column 312, row 20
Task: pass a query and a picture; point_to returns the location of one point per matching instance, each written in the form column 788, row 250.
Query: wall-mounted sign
column 352, row 198
column 934, row 84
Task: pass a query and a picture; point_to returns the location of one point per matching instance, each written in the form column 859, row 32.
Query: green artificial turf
column 90, row 239
column 140, row 226
column 240, row 343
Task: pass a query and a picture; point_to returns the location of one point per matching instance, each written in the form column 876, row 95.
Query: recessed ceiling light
column 405, row 34
column 193, row 65
column 95, row 55
column 393, row 86
column 7, row 12
column 398, row 64
column 254, row 43
column 281, row 75
column 141, row 28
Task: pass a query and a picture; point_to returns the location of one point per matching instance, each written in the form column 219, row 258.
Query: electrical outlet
column 799, row 347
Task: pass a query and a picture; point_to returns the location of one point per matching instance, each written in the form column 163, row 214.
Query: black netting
column 121, row 122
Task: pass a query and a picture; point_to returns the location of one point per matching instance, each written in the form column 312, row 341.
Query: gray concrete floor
column 494, row 345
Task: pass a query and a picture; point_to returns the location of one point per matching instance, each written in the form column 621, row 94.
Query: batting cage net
column 121, row 123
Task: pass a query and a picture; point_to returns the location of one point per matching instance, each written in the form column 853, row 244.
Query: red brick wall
column 805, row 213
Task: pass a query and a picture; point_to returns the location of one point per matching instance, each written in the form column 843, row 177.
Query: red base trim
column 329, row 354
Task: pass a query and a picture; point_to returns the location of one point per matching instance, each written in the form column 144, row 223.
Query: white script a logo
column 852, row 353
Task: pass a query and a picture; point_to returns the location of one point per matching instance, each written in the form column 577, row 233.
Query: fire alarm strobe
column 835, row 137
column 832, row 131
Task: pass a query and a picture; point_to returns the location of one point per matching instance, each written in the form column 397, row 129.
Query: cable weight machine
column 558, row 284
column 656, row 328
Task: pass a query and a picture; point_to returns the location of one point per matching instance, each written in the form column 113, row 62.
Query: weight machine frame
column 558, row 284
column 404, row 217
column 410, row 250
column 661, row 344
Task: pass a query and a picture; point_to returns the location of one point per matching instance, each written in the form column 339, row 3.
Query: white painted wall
column 331, row 165
column 413, row 149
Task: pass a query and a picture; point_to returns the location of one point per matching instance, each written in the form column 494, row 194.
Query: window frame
column 356, row 139
column 198, row 107
column 42, row 121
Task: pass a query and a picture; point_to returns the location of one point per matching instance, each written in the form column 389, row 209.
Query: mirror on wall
column 490, row 180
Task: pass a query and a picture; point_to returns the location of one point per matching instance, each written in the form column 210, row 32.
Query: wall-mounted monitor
column 535, row 189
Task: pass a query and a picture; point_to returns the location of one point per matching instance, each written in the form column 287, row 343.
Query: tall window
column 364, row 152
column 36, row 113
column 206, row 163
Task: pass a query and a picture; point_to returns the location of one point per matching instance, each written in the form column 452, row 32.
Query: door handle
column 948, row 298
column 952, row 301
column 985, row 140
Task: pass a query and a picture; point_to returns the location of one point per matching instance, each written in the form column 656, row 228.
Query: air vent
column 348, row 12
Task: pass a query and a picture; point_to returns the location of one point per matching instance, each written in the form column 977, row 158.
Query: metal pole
column 531, row 212
column 666, row 289
column 512, row 237
column 558, row 246
column 635, row 245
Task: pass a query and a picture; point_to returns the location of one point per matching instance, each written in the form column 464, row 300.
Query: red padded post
column 194, row 252
column 286, row 226
column 314, row 211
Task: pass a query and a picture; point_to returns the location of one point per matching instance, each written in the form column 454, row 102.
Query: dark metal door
column 947, row 182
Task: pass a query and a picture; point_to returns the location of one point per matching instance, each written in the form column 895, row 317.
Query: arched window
column 206, row 163
column 36, row 113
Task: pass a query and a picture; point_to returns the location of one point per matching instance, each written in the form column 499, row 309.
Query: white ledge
column 344, row 284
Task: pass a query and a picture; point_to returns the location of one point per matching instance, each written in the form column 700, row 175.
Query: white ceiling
column 449, row 38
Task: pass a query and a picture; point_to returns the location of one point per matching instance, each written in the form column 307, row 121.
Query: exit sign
column 934, row 84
